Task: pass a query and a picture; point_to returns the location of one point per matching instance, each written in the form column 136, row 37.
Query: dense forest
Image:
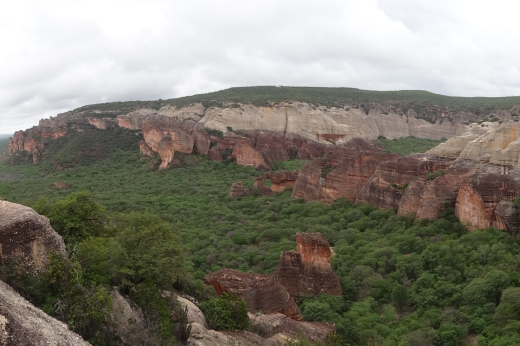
column 405, row 281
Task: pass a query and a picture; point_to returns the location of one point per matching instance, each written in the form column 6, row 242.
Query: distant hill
column 331, row 97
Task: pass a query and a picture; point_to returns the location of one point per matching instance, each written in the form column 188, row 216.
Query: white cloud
column 60, row 54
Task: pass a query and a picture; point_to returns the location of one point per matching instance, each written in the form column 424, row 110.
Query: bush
column 226, row 313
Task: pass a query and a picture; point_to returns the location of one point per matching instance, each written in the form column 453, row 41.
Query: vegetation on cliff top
column 408, row 145
column 406, row 282
column 330, row 97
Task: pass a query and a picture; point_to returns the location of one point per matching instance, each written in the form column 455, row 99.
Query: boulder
column 307, row 272
column 22, row 324
column 262, row 293
column 237, row 190
column 126, row 320
column 26, row 235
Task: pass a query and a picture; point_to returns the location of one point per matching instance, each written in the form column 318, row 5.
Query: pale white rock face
column 453, row 147
column 509, row 156
column 390, row 125
column 195, row 112
column 497, row 138
column 296, row 119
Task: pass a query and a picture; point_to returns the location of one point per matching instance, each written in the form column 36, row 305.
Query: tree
column 76, row 218
column 153, row 250
column 226, row 312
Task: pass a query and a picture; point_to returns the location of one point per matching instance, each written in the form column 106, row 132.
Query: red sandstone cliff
column 260, row 292
column 307, row 272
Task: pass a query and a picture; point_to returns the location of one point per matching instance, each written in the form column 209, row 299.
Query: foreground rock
column 22, row 324
column 262, row 293
column 307, row 272
column 26, row 235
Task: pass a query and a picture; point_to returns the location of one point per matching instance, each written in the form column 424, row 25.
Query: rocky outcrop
column 246, row 155
column 480, row 194
column 453, row 147
column 279, row 180
column 496, row 139
column 127, row 321
column 27, row 236
column 260, row 292
column 307, row 272
column 382, row 191
column 145, row 149
column 282, row 325
column 425, row 199
column 166, row 151
column 272, row 148
column 22, row 324
column 506, row 217
column 60, row 186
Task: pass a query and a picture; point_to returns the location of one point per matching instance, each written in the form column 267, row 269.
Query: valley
column 414, row 192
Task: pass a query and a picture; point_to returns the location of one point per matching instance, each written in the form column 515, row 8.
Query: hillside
column 320, row 96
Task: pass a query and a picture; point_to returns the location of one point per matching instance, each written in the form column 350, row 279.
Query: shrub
column 226, row 313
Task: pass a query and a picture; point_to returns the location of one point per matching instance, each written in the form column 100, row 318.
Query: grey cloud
column 65, row 54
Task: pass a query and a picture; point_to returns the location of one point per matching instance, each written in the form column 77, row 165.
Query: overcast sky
column 58, row 55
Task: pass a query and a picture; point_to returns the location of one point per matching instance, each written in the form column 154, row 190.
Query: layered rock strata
column 307, row 272
column 382, row 191
column 480, row 194
column 260, row 292
column 26, row 235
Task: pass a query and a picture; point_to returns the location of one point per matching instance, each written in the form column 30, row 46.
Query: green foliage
column 75, row 218
column 408, row 145
column 326, row 170
column 331, row 97
column 216, row 133
column 226, row 313
column 433, row 175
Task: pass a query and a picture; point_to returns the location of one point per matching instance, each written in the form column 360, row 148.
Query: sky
column 58, row 55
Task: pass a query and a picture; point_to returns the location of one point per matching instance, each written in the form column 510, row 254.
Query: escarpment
column 26, row 235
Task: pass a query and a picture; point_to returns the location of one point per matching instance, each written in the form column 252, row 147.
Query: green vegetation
column 408, row 145
column 406, row 282
column 331, row 97
column 226, row 313
column 433, row 175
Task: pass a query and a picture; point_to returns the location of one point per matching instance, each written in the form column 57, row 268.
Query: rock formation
column 495, row 139
column 26, row 235
column 480, row 194
column 279, row 180
column 260, row 292
column 246, row 155
column 506, row 217
column 22, row 324
column 382, row 191
column 425, row 199
column 127, row 321
column 145, row 149
column 307, row 272
column 341, row 174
